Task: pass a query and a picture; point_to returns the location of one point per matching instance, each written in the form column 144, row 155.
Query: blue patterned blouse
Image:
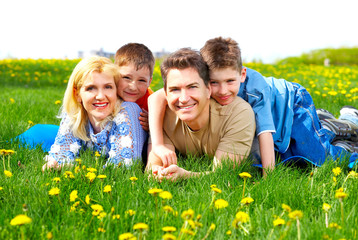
column 121, row 140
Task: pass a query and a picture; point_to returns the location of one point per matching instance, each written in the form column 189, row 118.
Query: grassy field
column 73, row 204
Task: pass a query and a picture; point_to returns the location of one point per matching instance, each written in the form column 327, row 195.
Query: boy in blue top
column 286, row 117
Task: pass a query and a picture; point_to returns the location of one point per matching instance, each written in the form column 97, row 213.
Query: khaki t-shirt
column 231, row 129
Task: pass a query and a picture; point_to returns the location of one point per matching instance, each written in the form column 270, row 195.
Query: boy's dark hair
column 137, row 54
column 182, row 59
column 221, row 53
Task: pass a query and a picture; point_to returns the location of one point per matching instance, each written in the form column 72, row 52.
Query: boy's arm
column 157, row 104
column 267, row 152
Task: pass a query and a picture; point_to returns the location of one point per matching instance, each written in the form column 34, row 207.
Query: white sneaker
column 349, row 113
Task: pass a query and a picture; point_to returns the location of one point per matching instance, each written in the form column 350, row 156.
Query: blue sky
column 265, row 30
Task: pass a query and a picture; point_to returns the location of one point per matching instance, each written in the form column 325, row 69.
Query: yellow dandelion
column 245, row 175
column 154, row 191
column 101, row 176
column 221, row 203
column 130, row 212
column 30, row 122
column 353, row 174
column 242, row 217
column 57, row 102
column 296, row 214
column 91, row 176
column 101, row 215
column 68, row 174
column 169, row 229
column 12, row 100
column 212, row 227
column 187, row 214
column 216, row 190
column 340, row 195
column 116, row 216
column 334, row 225
column 336, row 171
column 107, row 188
column 56, row 179
column 168, row 236
column 87, row 199
column 326, row 207
column 101, row 230
column 286, row 208
column 20, row 220
column 92, row 170
column 168, row 209
column 228, row 232
column 247, row 200
column 165, row 195
column 213, row 186
column 73, row 195
column 79, row 160
column 77, row 169
column 334, row 179
column 1, row 188
column 7, row 173
column 97, row 154
column 278, row 222
column 140, row 226
column 133, row 179
column 54, row 191
column 127, row 236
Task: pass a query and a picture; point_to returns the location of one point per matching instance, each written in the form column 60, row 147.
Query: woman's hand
column 51, row 164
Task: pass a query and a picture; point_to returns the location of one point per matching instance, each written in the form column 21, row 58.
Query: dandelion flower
column 127, row 236
column 242, row 217
column 212, row 227
column 247, row 200
column 7, row 173
column 87, row 199
column 221, row 203
column 101, row 230
column 216, row 190
column 296, row 214
column 133, row 179
column 57, row 102
column 20, row 220
column 187, row 214
column 334, row 225
column 116, row 216
column 97, row 154
column 340, row 195
column 168, row 209
column 30, row 122
column 286, row 208
column 12, row 100
column 130, row 212
column 101, row 176
column 107, row 188
column 168, row 236
column 165, row 195
column 54, row 191
column 278, row 222
column 169, row 229
column 1, row 188
column 336, row 171
column 228, row 232
column 353, row 174
column 56, row 179
column 213, row 186
column 73, row 195
column 92, row 170
column 326, row 207
column 91, row 176
column 245, row 175
column 140, row 226
column 69, row 174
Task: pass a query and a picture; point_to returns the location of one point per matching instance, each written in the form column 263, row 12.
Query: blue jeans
column 308, row 138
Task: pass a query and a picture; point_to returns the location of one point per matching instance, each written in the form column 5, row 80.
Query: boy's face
column 134, row 83
column 225, row 84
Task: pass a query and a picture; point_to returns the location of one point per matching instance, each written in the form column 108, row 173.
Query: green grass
column 303, row 188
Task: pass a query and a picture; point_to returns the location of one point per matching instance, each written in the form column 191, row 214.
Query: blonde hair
column 71, row 107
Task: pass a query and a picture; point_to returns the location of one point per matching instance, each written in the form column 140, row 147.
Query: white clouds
column 264, row 29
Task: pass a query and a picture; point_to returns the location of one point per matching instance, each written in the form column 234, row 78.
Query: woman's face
column 98, row 96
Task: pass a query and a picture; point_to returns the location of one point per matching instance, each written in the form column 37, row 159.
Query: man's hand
column 143, row 119
column 167, row 155
column 173, row 173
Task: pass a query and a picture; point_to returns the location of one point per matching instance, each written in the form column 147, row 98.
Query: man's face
column 225, row 84
column 134, row 83
column 188, row 97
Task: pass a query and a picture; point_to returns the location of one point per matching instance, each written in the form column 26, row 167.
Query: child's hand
column 143, row 119
column 168, row 156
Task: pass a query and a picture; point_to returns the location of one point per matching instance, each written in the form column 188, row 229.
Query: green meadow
column 85, row 201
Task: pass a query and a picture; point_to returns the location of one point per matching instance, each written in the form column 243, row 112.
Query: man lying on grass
column 196, row 124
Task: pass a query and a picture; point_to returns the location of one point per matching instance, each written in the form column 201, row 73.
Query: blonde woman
column 94, row 117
